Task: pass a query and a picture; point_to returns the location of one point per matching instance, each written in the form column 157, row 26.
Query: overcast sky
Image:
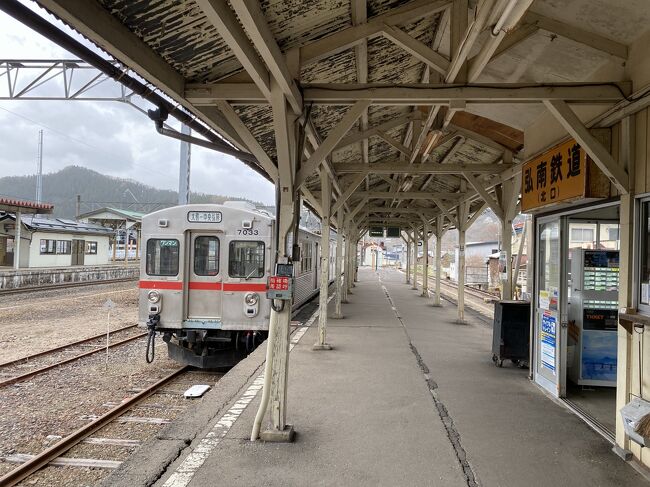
column 107, row 136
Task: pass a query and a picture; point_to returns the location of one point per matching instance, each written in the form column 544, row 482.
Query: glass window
column 582, row 235
column 246, row 259
column 91, row 248
column 307, row 256
column 206, row 256
column 63, row 247
column 48, row 246
column 644, row 254
column 162, row 257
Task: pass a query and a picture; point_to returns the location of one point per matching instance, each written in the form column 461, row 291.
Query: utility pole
column 184, row 171
column 39, row 169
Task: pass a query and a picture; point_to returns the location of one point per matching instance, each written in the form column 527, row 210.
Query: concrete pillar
column 17, row 234
column 415, row 259
column 326, row 201
column 425, row 260
column 338, row 266
column 439, row 223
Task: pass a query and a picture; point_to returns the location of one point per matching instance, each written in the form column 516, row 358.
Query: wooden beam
column 394, row 143
column 404, row 168
column 248, row 139
column 603, row 159
column 333, row 138
column 416, row 48
column 358, row 179
column 408, row 195
column 252, row 18
column 578, row 34
column 347, row 38
column 492, row 203
column 419, row 94
column 360, row 135
column 224, row 20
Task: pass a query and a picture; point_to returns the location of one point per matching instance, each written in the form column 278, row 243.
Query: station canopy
column 414, row 108
column 12, row 205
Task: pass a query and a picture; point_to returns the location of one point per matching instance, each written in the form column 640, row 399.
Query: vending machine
column 593, row 317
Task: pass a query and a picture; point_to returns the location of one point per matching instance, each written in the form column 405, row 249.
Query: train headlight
column 251, row 299
column 153, row 296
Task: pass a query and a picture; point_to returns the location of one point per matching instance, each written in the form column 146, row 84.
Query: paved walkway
column 407, row 398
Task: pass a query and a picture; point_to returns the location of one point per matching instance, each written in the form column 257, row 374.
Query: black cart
column 511, row 333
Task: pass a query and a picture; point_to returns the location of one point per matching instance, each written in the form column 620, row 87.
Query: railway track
column 49, row 287
column 32, row 463
column 41, row 362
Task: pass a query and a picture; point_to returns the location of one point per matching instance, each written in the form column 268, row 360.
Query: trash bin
column 511, row 332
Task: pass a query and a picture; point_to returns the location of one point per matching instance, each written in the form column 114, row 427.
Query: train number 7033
column 247, row 231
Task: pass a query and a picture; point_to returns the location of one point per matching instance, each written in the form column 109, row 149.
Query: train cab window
column 162, row 257
column 246, row 259
column 206, row 256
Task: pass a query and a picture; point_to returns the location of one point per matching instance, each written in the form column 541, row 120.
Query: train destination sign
column 376, row 231
column 558, row 174
column 204, row 216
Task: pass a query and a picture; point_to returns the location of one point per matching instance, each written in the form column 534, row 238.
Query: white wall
column 36, row 259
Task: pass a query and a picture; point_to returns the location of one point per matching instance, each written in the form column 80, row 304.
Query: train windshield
column 162, row 257
column 206, row 256
column 246, row 259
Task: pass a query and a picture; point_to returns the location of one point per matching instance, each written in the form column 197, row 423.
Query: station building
column 54, row 242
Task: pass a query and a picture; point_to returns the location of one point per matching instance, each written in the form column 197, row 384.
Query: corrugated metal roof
column 12, row 204
column 42, row 224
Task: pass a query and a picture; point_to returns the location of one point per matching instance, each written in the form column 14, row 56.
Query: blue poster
column 549, row 340
column 599, row 355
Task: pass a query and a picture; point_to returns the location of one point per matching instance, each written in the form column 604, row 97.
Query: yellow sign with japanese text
column 557, row 175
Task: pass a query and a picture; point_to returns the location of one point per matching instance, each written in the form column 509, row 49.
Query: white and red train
column 204, row 275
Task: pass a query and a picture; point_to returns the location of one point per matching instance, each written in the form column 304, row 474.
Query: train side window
column 246, row 259
column 162, row 257
column 307, row 257
column 206, row 256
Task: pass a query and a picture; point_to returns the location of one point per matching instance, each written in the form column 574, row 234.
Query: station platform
column 407, row 397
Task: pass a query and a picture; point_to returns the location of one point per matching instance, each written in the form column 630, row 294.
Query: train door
column 78, row 250
column 204, row 281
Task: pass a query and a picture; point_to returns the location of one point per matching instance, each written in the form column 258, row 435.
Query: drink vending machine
column 593, row 317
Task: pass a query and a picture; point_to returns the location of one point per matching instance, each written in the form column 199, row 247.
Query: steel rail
column 27, row 375
column 64, row 286
column 62, row 347
column 42, row 459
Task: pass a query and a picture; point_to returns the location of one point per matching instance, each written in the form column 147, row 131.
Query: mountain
column 97, row 190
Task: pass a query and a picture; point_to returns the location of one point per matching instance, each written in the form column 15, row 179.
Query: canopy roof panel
column 393, row 96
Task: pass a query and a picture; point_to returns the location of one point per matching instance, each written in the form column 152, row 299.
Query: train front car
column 203, row 281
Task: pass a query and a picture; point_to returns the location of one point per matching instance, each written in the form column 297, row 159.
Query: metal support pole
column 17, row 233
column 326, row 202
column 425, row 260
column 184, row 168
column 439, row 223
column 338, row 266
